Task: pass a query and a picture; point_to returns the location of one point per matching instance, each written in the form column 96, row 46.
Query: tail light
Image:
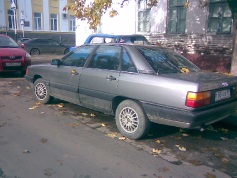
column 198, row 99
column 23, row 45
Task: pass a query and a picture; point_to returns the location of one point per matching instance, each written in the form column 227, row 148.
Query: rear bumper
column 189, row 119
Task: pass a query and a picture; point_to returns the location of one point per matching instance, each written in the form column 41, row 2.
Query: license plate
column 223, row 94
column 13, row 64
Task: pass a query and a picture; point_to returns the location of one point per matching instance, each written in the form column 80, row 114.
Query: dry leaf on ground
column 84, row 114
column 111, row 135
column 60, row 105
column 158, row 151
column 122, row 138
column 181, row 148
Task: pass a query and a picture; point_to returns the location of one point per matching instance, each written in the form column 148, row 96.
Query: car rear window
column 164, row 60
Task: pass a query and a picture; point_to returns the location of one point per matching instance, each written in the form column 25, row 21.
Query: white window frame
column 11, row 23
column 37, row 21
column 54, row 22
column 72, row 23
column 143, row 17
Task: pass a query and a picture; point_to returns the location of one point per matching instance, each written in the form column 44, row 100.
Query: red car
column 12, row 57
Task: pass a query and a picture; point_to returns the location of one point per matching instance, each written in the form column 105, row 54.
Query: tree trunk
column 233, row 70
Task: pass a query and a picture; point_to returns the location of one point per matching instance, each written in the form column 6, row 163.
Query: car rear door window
column 127, row 64
column 78, row 57
column 106, row 57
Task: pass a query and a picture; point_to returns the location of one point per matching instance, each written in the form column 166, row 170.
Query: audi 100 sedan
column 138, row 85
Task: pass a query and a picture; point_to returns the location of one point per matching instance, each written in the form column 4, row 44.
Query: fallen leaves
column 158, row 151
column 185, row 135
column 37, row 105
column 181, row 148
column 111, row 135
column 60, row 105
column 84, row 114
column 122, row 138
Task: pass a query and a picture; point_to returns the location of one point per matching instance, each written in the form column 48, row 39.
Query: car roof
column 113, row 35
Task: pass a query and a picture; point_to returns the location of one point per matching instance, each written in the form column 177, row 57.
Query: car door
column 64, row 79
column 55, row 47
column 98, row 82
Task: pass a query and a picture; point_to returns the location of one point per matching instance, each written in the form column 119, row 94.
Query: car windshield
column 164, row 60
column 6, row 42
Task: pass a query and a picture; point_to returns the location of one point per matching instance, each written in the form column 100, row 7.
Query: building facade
column 34, row 18
column 202, row 32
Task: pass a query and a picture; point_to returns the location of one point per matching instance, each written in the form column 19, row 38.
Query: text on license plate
column 13, row 64
column 223, row 94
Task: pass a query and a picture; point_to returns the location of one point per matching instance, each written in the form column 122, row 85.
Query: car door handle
column 110, row 78
column 74, row 72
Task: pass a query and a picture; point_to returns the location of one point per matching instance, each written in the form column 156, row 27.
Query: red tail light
column 198, row 99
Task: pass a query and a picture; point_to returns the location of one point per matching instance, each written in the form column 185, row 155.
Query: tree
column 92, row 12
column 233, row 8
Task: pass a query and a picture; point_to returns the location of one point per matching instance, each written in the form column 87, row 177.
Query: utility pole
column 13, row 8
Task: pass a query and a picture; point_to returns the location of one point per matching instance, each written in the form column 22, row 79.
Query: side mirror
column 56, row 62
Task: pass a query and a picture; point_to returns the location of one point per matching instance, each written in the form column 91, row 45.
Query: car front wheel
column 131, row 120
column 41, row 91
column 34, row 51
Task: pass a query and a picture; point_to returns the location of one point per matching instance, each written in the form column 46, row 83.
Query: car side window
column 78, row 57
column 127, row 64
column 106, row 57
column 51, row 42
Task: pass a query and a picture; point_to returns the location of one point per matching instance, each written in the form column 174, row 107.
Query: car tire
column 34, row 51
column 41, row 91
column 131, row 120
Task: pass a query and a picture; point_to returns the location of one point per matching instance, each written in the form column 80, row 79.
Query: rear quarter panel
column 155, row 89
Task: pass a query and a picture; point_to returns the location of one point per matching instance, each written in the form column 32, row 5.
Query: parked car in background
column 138, row 84
column 38, row 46
column 12, row 57
column 110, row 38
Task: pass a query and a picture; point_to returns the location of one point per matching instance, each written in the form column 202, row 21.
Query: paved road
column 38, row 141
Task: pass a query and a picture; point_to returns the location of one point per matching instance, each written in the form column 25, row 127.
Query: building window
column 177, row 16
column 11, row 23
column 54, row 22
column 72, row 23
column 37, row 21
column 220, row 17
column 143, row 16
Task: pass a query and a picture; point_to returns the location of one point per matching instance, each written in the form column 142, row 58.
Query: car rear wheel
column 41, row 91
column 34, row 52
column 131, row 120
